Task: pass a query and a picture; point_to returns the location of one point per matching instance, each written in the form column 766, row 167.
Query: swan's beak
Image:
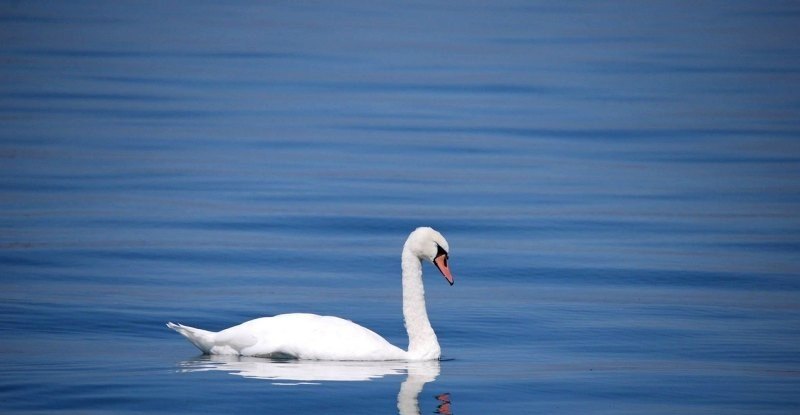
column 441, row 263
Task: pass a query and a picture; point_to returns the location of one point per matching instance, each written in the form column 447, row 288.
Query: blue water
column 619, row 184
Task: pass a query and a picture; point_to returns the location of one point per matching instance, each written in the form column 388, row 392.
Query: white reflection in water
column 310, row 372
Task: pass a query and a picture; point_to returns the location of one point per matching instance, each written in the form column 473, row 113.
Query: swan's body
column 310, row 336
column 297, row 335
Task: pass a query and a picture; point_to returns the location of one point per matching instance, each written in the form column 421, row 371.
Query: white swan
column 310, row 336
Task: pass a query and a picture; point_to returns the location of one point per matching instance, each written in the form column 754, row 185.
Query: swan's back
column 302, row 336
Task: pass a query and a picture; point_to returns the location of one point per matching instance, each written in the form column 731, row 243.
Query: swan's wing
column 310, row 336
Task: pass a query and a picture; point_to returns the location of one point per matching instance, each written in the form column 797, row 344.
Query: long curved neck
column 422, row 342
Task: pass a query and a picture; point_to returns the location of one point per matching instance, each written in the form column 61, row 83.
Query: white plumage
column 310, row 336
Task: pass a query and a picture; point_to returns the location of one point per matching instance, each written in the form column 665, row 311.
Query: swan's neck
column 422, row 342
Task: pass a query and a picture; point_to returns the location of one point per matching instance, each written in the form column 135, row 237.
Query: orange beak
column 441, row 263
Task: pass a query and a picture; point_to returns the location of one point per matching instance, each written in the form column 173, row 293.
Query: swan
column 315, row 337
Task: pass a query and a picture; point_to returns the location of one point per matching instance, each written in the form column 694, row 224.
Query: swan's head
column 428, row 244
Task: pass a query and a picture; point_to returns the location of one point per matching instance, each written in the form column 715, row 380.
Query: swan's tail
column 203, row 339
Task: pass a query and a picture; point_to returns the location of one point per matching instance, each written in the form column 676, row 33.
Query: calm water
column 619, row 184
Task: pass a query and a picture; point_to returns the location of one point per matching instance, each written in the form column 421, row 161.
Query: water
column 618, row 183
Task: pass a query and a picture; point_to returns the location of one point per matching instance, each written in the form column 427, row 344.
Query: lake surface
column 619, row 184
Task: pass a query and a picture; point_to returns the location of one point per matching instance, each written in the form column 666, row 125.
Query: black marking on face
column 439, row 252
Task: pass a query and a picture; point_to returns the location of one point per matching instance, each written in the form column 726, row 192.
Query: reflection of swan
column 295, row 371
column 309, row 336
column 419, row 373
column 298, row 372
